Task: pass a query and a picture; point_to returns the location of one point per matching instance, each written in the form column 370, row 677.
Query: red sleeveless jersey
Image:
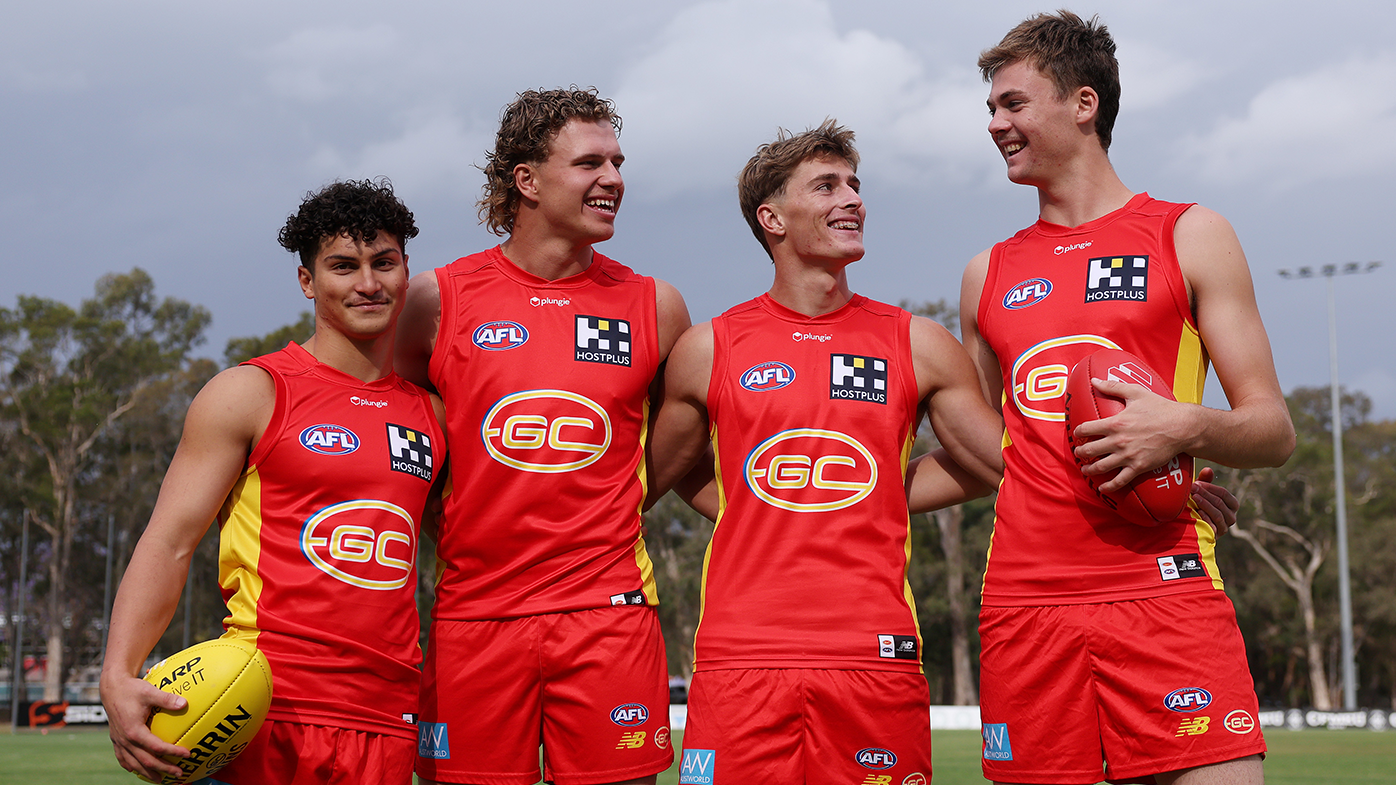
column 1053, row 295
column 318, row 544
column 546, row 386
column 812, row 422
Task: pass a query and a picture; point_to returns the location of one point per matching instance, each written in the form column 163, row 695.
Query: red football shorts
column 1155, row 685
column 289, row 753
column 821, row 727
column 592, row 686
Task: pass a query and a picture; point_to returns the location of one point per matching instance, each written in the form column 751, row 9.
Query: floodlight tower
column 1331, row 271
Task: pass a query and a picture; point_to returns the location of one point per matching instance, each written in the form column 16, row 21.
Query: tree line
column 92, row 401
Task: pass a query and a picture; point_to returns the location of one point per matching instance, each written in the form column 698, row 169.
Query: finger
column 1126, row 475
column 1206, row 474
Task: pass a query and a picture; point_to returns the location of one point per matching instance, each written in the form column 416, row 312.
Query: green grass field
column 1315, row 757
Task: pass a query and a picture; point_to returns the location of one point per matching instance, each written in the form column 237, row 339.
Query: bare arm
column 417, row 327
column 680, row 435
column 986, row 363
column 431, row 514
column 1256, row 431
column 224, row 421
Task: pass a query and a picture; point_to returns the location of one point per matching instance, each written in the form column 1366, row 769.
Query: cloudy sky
column 177, row 136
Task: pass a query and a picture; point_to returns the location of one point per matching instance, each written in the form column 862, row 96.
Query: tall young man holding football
column 547, row 354
column 1090, row 639
column 285, row 451
column 808, row 656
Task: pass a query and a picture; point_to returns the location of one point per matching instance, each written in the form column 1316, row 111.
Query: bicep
column 417, row 328
column 986, row 363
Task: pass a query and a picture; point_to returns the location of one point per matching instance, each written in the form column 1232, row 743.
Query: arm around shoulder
column 680, row 434
column 417, row 328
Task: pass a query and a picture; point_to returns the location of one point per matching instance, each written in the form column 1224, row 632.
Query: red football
column 1151, row 498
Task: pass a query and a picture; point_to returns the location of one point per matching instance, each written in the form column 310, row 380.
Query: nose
column 610, row 176
column 367, row 282
column 998, row 123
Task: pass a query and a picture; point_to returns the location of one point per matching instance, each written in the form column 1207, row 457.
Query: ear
column 1087, row 107
column 526, row 180
column 770, row 220
column 307, row 281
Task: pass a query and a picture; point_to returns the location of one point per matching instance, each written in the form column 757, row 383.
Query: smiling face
column 577, row 190
column 357, row 287
column 1037, row 131
column 820, row 214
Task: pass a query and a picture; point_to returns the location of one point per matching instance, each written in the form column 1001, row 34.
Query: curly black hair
column 358, row 209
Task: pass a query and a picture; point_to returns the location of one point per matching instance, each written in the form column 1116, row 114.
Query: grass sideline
column 1311, row 757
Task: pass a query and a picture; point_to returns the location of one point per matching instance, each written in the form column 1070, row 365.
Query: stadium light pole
column 1331, row 271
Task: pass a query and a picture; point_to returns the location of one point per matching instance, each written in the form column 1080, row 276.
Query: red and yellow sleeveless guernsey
column 812, row 421
column 318, row 544
column 1052, row 296
column 547, row 384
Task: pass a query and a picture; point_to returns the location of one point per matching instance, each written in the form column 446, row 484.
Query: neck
column 812, row 290
column 367, row 360
column 545, row 254
column 1082, row 194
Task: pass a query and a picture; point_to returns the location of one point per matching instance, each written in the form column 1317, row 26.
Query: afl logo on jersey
column 366, row 543
column 546, row 431
column 1029, row 292
column 771, row 375
column 329, row 439
column 811, row 470
column 1039, row 374
column 499, row 336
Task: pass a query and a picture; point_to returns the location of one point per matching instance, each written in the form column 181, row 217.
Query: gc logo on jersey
column 546, row 431
column 1117, row 278
column 409, row 451
column 602, row 340
column 1039, row 374
column 499, row 336
column 857, row 378
column 329, row 439
column 770, row 375
column 811, row 470
column 1029, row 292
column 366, row 543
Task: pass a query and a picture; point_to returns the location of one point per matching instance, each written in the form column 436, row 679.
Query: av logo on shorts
column 770, row 375
column 499, row 336
column 630, row 714
column 432, row 741
column 811, row 470
column 897, row 647
column 366, row 543
column 546, row 431
column 1194, row 726
column 1188, row 699
column 875, row 758
column 1029, row 292
column 1039, row 374
column 602, row 340
column 856, row 378
column 329, row 439
column 697, row 767
column 409, row 451
column 1117, row 278
column 996, row 744
column 1183, row 565
column 1239, row 721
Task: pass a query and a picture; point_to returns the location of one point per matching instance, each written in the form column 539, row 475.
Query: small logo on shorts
column 1239, row 721
column 631, row 741
column 697, row 767
column 876, row 779
column 628, row 598
column 996, row 745
column 897, row 647
column 875, row 758
column 630, row 714
column 432, row 741
column 1188, row 699
column 661, row 738
column 1182, row 565
column 916, row 778
column 1193, row 726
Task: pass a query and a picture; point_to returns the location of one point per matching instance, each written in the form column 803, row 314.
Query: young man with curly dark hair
column 549, row 356
column 308, row 458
